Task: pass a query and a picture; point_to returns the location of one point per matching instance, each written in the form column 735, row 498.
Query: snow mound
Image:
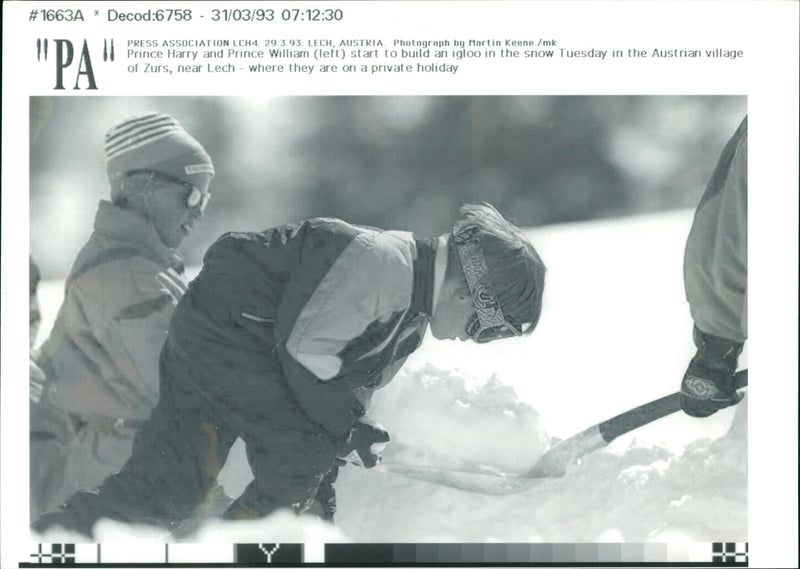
column 434, row 417
column 646, row 493
column 283, row 526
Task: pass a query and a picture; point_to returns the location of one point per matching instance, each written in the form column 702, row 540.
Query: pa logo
column 67, row 57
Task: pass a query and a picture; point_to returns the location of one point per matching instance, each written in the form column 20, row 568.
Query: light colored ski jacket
column 102, row 354
column 715, row 261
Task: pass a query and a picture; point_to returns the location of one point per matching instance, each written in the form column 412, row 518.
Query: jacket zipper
column 259, row 319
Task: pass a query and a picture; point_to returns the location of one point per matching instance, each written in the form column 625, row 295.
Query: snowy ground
column 615, row 333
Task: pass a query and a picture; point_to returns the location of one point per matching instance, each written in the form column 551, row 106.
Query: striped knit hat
column 155, row 141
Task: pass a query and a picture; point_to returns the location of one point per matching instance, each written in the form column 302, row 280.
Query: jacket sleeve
column 338, row 341
column 141, row 323
column 116, row 320
column 715, row 260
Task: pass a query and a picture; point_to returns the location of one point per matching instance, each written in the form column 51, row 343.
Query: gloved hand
column 708, row 384
column 360, row 440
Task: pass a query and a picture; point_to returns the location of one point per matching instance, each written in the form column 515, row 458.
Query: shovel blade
column 491, row 484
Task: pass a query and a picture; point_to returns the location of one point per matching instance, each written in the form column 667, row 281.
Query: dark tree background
column 396, row 162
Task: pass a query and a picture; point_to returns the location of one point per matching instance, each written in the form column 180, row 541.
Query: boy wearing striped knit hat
column 102, row 354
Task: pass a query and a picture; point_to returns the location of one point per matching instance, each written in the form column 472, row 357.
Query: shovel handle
column 649, row 412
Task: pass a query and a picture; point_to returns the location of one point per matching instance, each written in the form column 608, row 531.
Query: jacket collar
column 422, row 297
column 130, row 227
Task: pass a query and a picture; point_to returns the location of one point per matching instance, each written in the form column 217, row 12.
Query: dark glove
column 360, row 439
column 708, row 384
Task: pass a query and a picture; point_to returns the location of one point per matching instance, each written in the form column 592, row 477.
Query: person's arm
column 118, row 314
column 337, row 342
column 715, row 278
column 142, row 320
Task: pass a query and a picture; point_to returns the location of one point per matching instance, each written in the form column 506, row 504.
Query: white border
column 766, row 30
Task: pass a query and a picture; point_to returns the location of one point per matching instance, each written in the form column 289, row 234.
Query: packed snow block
column 436, row 417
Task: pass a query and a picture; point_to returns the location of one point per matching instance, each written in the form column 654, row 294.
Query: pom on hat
column 155, row 141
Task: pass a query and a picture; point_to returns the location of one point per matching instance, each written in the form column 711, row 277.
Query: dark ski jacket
column 311, row 317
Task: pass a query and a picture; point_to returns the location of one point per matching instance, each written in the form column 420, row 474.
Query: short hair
column 131, row 185
column 516, row 272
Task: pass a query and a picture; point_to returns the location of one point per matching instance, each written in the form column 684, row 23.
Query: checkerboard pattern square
column 729, row 553
column 65, row 554
column 55, row 554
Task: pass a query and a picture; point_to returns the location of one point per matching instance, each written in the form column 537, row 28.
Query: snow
column 641, row 495
column 425, row 408
column 615, row 333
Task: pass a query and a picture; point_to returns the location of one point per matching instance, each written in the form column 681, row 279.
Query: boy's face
column 453, row 311
column 172, row 214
